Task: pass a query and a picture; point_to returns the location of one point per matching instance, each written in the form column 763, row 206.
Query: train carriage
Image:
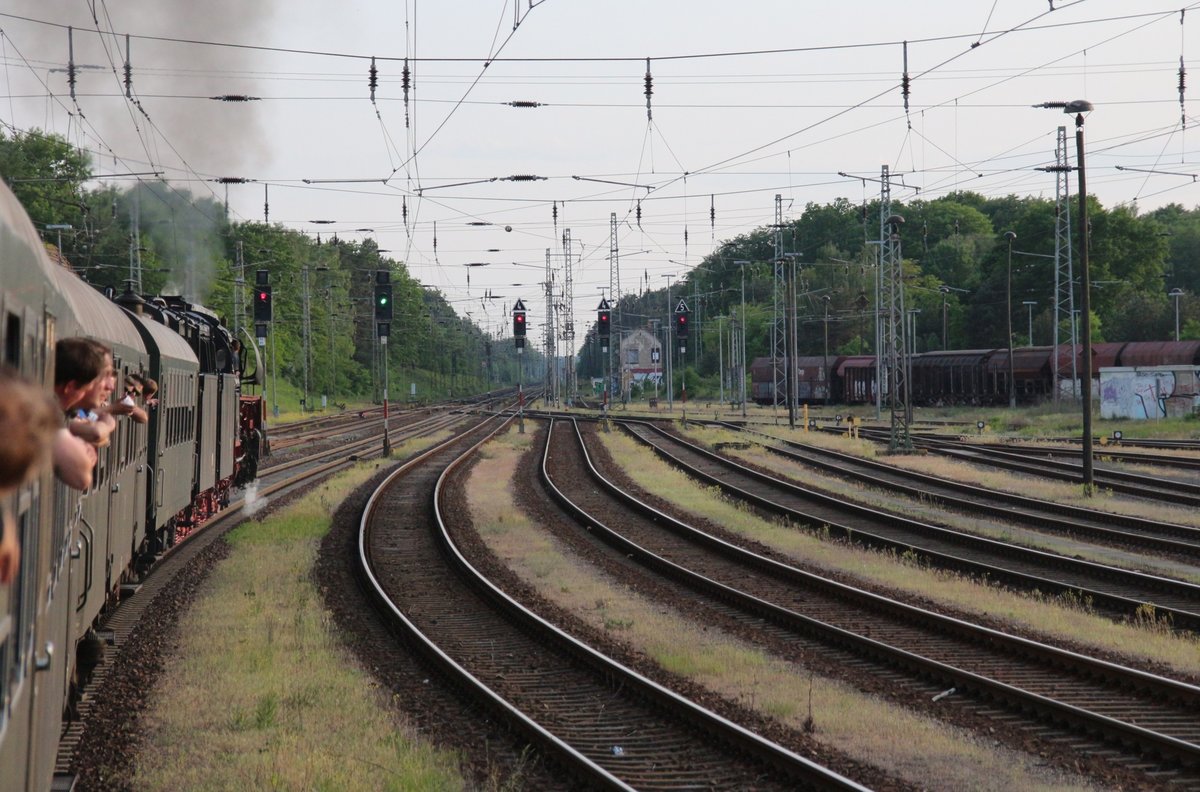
column 1140, row 354
column 949, row 377
column 856, row 374
column 34, row 608
column 172, row 477
column 79, row 549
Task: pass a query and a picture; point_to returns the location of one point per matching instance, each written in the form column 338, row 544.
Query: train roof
column 171, row 345
column 1027, row 361
column 1160, row 353
column 98, row 317
column 29, row 272
column 951, row 358
column 856, row 362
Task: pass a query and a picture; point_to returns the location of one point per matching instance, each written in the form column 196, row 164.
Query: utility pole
column 307, row 333
column 740, row 368
column 670, row 368
column 825, row 360
column 239, row 283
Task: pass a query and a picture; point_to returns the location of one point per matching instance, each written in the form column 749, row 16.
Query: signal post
column 263, row 318
column 604, row 332
column 519, row 327
column 681, row 335
column 383, row 328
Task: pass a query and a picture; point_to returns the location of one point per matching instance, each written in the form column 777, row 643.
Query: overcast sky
column 750, row 99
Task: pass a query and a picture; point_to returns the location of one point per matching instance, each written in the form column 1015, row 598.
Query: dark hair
column 78, row 360
column 28, row 419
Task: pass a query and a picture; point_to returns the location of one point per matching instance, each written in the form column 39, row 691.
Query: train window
column 12, row 340
column 24, row 599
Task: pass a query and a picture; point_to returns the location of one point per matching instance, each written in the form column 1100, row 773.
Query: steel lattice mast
column 568, row 322
column 551, row 338
column 895, row 347
column 779, row 325
column 1064, row 290
column 614, row 293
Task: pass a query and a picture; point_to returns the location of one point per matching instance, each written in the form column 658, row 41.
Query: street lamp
column 1079, row 107
column 1012, row 383
column 1176, row 293
column 1029, row 304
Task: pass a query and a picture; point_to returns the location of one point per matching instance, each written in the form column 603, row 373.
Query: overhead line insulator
column 649, row 90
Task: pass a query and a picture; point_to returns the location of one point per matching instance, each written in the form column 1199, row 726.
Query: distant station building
column 641, row 359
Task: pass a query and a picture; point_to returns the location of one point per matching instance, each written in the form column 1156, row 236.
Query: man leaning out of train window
column 92, row 416
column 28, row 422
column 135, row 387
column 78, row 363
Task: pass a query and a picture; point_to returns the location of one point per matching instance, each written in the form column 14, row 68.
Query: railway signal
column 383, row 296
column 681, row 324
column 604, row 323
column 262, row 303
column 519, row 325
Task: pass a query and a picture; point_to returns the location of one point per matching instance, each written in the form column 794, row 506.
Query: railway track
column 1105, row 527
column 119, row 627
column 1034, row 462
column 1109, row 451
column 1101, row 709
column 1117, row 591
column 607, row 726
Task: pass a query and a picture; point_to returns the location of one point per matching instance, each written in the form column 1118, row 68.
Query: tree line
column 185, row 244
column 955, row 265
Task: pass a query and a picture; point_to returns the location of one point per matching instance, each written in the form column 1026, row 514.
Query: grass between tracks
column 985, row 476
column 919, row 749
column 969, row 522
column 263, row 695
column 1064, row 618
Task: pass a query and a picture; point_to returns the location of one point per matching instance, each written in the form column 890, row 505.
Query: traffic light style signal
column 518, row 325
column 383, row 302
column 262, row 303
column 604, row 323
column 681, row 325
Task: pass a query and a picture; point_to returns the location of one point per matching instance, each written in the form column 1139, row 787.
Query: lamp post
column 1176, row 293
column 1012, row 384
column 741, row 368
column 1079, row 107
column 1029, row 304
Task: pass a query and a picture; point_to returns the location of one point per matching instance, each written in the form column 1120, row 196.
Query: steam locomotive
column 153, row 483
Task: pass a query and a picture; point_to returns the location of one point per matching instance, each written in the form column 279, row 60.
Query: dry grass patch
column 972, row 523
column 262, row 695
column 881, row 569
column 956, row 470
column 860, row 726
